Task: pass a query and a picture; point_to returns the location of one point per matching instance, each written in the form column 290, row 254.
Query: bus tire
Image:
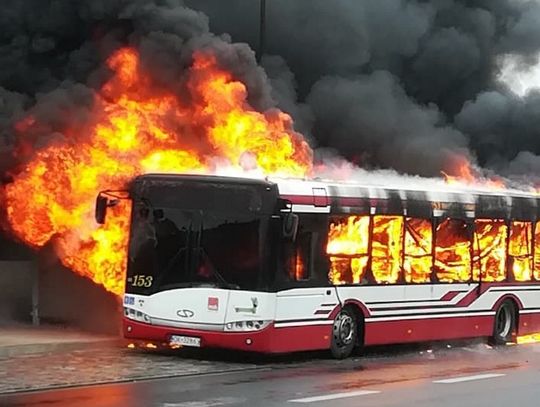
column 344, row 334
column 504, row 325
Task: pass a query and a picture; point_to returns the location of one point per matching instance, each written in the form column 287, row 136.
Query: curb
column 56, row 347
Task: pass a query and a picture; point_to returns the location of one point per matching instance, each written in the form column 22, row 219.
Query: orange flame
column 418, row 243
column 489, row 259
column 528, row 339
column 520, row 250
column 465, row 173
column 140, row 128
column 387, row 248
column 452, row 252
column 348, row 241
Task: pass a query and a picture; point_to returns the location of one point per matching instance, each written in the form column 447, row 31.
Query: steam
column 407, row 85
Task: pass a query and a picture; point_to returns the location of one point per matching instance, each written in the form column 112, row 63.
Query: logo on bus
column 213, row 303
column 185, row 313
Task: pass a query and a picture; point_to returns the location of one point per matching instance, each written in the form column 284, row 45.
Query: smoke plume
column 408, row 85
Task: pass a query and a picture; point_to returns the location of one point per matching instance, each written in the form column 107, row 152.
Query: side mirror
column 107, row 199
column 290, row 225
column 102, row 203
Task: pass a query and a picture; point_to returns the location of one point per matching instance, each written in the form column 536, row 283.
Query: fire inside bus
column 294, row 265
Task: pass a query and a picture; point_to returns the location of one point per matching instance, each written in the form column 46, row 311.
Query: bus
column 285, row 265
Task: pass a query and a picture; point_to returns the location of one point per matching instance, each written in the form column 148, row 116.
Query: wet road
column 469, row 375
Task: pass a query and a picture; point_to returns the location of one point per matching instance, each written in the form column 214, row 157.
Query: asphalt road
column 469, row 375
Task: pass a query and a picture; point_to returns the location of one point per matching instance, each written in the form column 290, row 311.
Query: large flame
column 405, row 245
column 139, row 129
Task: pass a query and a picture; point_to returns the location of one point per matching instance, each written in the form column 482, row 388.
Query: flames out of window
column 348, row 245
column 396, row 249
column 520, row 251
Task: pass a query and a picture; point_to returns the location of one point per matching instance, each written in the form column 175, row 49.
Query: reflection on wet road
column 471, row 374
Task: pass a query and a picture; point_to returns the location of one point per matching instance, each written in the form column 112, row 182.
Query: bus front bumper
column 267, row 340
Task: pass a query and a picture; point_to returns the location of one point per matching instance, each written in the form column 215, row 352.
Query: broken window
column 453, row 251
column 418, row 244
column 387, row 248
column 348, row 242
column 489, row 261
column 520, row 250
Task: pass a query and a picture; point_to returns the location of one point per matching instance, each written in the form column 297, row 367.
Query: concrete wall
column 64, row 297
column 75, row 301
column 16, row 279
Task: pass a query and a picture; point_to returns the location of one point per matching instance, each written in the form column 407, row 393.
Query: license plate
column 185, row 341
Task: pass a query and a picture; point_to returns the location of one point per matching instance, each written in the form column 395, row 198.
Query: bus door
column 308, row 297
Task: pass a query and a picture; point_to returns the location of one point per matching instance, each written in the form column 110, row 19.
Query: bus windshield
column 185, row 237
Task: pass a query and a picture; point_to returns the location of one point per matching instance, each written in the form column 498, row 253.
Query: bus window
column 489, row 257
column 452, row 252
column 348, row 242
column 387, row 247
column 520, row 250
column 300, row 261
column 537, row 251
column 418, row 244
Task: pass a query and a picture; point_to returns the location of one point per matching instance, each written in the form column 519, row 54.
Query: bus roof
column 412, row 197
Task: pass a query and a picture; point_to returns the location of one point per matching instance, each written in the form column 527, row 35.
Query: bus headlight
column 246, row 326
column 136, row 315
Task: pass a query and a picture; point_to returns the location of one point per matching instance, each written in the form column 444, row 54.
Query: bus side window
column 387, row 249
column 520, row 251
column 489, row 250
column 453, row 251
column 417, row 260
column 301, row 260
column 348, row 243
column 537, row 251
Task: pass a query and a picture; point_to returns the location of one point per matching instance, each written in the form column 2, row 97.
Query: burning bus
column 292, row 265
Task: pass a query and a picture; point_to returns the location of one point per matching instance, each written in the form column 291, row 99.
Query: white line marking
column 469, row 378
column 335, row 396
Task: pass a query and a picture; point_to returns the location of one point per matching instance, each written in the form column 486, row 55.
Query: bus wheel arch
column 505, row 322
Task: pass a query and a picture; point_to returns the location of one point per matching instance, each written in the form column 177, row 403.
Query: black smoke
column 408, row 85
column 403, row 84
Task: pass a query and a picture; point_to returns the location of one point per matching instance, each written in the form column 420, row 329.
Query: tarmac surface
column 445, row 375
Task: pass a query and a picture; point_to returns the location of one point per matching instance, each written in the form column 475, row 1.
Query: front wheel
column 344, row 334
column 505, row 324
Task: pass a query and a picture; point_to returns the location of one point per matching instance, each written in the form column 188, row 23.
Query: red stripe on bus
column 429, row 329
column 450, row 295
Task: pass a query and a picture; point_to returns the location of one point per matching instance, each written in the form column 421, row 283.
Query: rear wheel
column 344, row 334
column 505, row 324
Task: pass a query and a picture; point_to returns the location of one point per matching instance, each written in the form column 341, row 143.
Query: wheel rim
column 344, row 328
column 504, row 322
